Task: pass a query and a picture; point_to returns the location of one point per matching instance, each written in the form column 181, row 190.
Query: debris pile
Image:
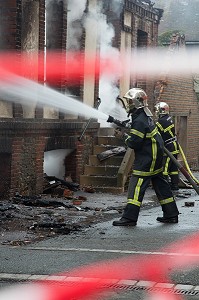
column 27, row 219
column 59, row 187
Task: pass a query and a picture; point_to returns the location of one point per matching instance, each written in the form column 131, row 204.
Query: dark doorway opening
column 5, row 173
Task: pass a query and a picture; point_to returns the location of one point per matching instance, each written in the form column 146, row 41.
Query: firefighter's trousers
column 171, row 170
column 136, row 190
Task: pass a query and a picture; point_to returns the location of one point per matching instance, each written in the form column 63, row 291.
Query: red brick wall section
column 80, row 152
column 27, row 165
column 5, row 168
column 41, row 35
column 16, row 158
column 39, row 148
column 56, row 31
column 179, row 94
column 27, row 141
column 39, row 110
column 76, row 161
column 10, row 24
column 41, row 25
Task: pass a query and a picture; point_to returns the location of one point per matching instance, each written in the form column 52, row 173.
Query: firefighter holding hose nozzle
column 148, row 146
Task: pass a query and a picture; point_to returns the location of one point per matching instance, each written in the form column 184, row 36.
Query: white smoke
column 117, row 6
column 107, row 88
column 79, row 18
column 76, row 10
column 54, row 164
column 108, row 85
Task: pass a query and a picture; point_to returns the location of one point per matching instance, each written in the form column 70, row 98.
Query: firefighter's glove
column 118, row 133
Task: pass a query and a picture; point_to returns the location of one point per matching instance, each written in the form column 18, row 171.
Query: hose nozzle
column 110, row 119
column 124, row 124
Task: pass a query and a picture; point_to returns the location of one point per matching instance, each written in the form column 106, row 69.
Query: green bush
column 165, row 37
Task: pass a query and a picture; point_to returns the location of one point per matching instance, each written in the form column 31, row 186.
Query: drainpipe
column 88, row 123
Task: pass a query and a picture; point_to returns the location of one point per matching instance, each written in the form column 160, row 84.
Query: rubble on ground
column 63, row 209
column 27, row 219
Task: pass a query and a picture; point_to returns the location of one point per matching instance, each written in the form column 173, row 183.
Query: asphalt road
column 103, row 242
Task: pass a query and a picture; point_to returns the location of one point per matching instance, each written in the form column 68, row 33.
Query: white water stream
column 18, row 89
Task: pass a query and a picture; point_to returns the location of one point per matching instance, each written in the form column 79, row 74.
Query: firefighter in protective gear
column 166, row 128
column 148, row 146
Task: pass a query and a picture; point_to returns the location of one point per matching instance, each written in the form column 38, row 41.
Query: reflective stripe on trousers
column 136, row 191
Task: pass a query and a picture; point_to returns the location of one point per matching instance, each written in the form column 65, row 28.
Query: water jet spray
column 18, row 89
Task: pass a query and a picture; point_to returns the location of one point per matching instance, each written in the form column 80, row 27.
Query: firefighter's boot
column 168, row 220
column 124, row 222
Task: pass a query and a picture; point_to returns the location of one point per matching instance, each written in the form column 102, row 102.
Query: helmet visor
column 129, row 104
column 157, row 110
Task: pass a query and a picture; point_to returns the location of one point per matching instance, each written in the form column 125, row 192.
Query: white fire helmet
column 161, row 108
column 136, row 98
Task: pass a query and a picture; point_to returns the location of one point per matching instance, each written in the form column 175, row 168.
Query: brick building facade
column 27, row 133
column 179, row 92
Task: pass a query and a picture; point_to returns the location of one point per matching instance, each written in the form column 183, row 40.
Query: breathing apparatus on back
column 162, row 109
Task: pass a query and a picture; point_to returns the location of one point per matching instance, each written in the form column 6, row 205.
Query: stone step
column 106, row 131
column 101, row 181
column 101, row 170
column 110, row 140
column 102, row 175
column 111, row 161
column 110, row 190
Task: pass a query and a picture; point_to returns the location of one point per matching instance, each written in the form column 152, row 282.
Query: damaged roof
column 147, row 5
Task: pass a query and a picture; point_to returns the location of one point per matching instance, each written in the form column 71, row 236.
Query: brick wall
column 24, row 141
column 76, row 161
column 181, row 97
column 5, row 169
column 10, row 12
column 25, row 164
column 23, row 144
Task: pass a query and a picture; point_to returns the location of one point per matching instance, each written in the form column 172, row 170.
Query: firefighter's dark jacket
column 166, row 128
column 147, row 143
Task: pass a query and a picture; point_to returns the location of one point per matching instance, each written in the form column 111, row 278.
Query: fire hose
column 186, row 164
column 188, row 175
column 182, row 170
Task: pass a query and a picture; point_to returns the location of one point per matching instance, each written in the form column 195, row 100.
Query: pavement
column 104, row 200
column 23, row 224
column 47, row 258
column 102, row 241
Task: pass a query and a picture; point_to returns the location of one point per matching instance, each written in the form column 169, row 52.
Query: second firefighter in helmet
column 166, row 128
column 148, row 146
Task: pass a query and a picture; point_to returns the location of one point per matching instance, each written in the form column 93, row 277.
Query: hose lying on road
column 186, row 165
column 182, row 170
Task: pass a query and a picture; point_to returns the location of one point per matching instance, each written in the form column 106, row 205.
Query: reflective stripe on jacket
column 166, row 128
column 147, row 143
